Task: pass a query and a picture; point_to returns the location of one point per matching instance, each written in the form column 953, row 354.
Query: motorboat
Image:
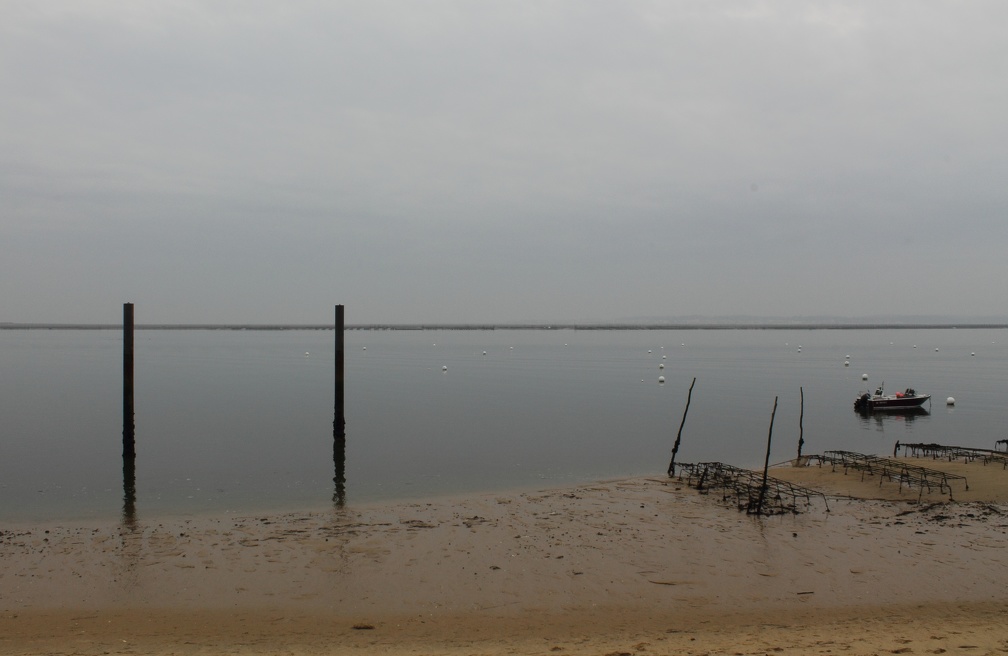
column 904, row 400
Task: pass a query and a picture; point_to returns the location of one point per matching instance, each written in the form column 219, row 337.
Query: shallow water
column 242, row 420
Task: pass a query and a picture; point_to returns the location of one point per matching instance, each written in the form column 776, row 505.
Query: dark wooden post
column 339, row 421
column 766, row 462
column 129, row 445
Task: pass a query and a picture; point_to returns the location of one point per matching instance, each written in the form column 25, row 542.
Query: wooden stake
column 801, row 430
column 675, row 447
column 766, row 463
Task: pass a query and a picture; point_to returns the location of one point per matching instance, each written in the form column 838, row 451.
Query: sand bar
column 644, row 565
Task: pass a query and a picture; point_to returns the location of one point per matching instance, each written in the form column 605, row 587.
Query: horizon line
column 621, row 325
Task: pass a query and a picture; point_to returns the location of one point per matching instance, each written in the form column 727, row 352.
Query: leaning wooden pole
column 675, row 447
column 129, row 444
column 766, row 462
column 801, row 430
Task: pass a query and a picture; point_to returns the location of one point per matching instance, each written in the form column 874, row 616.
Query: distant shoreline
column 528, row 326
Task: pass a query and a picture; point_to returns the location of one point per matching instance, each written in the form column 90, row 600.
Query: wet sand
column 644, row 565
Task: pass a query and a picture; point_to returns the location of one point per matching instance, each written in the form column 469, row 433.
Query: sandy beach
column 637, row 566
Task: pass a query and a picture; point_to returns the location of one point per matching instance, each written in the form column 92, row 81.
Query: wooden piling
column 339, row 421
column 129, row 443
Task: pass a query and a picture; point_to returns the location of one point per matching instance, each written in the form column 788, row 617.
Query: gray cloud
column 519, row 161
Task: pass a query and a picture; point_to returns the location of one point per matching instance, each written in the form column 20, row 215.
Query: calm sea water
column 241, row 421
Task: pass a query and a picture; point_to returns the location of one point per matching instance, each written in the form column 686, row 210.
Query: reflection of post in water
column 130, row 535
column 129, row 493
column 339, row 463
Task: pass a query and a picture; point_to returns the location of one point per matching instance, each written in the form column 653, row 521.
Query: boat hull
column 898, row 402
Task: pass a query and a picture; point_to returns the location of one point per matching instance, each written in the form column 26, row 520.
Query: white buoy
column 950, row 401
column 661, row 366
column 664, row 357
column 864, row 376
column 444, row 368
column 936, row 350
column 972, row 355
column 484, row 352
column 306, row 354
column 365, row 348
column 846, row 363
column 847, row 357
column 649, row 351
column 661, row 379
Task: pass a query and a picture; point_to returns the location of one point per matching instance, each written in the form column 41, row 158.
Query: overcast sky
column 460, row 161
